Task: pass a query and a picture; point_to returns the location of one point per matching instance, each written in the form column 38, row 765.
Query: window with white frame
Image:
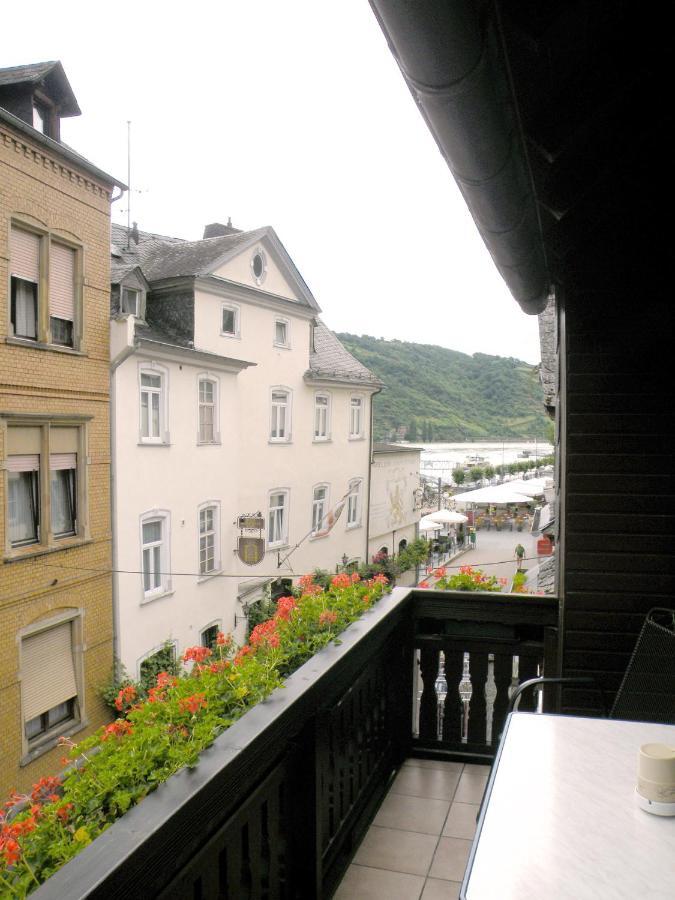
column 319, row 507
column 209, row 561
column 321, row 417
column 354, row 503
column 356, row 417
column 49, row 683
column 131, row 301
column 282, row 333
column 277, row 522
column 29, row 467
column 44, row 272
column 280, row 419
column 208, row 411
column 230, row 320
column 155, row 554
column 152, row 403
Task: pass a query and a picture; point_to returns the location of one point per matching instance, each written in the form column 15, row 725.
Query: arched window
column 320, row 498
column 402, row 544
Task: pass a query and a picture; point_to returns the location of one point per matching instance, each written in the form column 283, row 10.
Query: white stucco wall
column 393, row 517
column 176, row 478
column 274, row 281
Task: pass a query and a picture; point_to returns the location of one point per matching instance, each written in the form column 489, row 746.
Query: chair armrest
column 533, row 682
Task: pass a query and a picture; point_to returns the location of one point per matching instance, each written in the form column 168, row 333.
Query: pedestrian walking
column 472, row 538
column 519, row 554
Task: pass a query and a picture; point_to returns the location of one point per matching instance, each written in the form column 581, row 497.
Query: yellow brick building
column 56, row 623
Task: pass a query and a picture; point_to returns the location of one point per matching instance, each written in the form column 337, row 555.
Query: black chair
column 647, row 691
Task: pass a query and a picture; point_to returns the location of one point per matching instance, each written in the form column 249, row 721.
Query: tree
column 412, row 430
column 476, row 473
column 489, row 471
column 458, row 475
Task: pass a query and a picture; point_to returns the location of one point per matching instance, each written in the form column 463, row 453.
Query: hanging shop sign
column 251, row 546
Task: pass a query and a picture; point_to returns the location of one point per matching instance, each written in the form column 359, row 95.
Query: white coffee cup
column 656, row 773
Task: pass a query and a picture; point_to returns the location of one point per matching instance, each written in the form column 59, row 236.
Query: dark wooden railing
column 277, row 806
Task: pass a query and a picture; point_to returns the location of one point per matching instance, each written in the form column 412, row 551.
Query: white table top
column 561, row 821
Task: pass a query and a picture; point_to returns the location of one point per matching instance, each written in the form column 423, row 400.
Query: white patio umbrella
column 426, row 524
column 495, row 495
column 447, row 516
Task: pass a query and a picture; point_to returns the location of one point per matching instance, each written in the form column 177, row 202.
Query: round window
column 258, row 266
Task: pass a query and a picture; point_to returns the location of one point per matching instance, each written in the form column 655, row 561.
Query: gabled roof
column 162, row 257
column 54, row 78
column 330, row 361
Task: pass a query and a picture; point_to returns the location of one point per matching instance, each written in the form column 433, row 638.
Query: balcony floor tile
column 450, row 858
column 438, row 784
column 366, row 883
column 397, row 851
column 471, row 786
column 439, row 889
column 412, row 813
column 461, row 821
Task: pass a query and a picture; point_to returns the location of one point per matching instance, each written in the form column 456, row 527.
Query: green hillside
column 443, row 395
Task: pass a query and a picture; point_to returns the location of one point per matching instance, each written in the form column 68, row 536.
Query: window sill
column 209, row 575
column 48, row 743
column 234, row 337
column 33, row 550
column 318, row 537
column 158, row 596
column 40, row 345
column 206, row 444
column 279, row 443
column 354, row 526
column 153, row 444
column 273, row 548
column 282, row 346
column 320, row 440
column 357, row 437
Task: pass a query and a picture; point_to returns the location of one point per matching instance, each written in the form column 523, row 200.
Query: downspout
column 451, row 58
column 114, row 365
column 370, row 468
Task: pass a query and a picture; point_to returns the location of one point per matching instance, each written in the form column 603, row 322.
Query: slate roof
column 331, row 361
column 38, row 72
column 160, row 257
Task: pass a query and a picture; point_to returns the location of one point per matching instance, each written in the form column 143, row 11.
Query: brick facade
column 42, row 190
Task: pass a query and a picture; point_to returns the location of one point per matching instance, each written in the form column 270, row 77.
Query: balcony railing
column 278, row 804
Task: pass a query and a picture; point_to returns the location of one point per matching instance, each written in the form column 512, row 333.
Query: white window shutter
column 47, row 670
column 62, row 282
column 24, row 255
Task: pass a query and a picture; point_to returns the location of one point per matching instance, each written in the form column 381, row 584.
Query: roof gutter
column 451, row 60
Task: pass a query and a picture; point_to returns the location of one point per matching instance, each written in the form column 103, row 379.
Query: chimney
column 216, row 229
column 134, row 233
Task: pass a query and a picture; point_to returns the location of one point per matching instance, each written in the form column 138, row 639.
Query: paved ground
column 494, row 553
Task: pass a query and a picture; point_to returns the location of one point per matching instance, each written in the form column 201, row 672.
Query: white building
column 229, row 398
column 395, row 501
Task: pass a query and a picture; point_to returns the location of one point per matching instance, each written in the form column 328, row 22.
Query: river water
column 438, row 460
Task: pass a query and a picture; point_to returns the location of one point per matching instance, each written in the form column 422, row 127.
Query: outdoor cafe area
column 507, row 506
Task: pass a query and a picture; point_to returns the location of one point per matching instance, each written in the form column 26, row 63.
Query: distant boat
column 475, row 460
column 525, row 454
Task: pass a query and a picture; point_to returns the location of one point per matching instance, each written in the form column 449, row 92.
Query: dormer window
column 131, row 301
column 40, row 118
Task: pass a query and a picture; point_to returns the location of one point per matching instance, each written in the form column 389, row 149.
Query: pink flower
column 424, row 584
column 328, row 617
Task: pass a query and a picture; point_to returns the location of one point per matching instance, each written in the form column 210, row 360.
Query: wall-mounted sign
column 251, row 550
column 251, row 523
column 250, row 547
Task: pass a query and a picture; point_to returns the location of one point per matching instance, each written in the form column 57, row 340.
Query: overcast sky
column 290, row 113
